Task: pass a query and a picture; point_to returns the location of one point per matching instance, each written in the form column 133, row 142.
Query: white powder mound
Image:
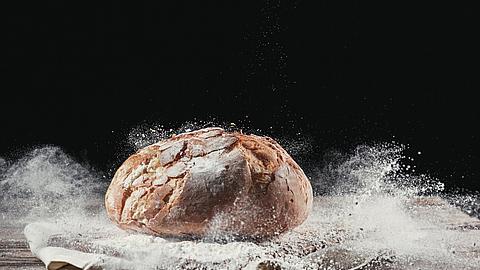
column 369, row 214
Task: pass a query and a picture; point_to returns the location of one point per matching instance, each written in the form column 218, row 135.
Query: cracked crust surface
column 210, row 179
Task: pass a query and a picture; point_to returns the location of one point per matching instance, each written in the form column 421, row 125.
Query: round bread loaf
column 210, row 180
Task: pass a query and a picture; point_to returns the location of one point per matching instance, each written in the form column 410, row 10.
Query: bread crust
column 210, row 179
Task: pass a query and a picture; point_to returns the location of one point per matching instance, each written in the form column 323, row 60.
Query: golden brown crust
column 206, row 180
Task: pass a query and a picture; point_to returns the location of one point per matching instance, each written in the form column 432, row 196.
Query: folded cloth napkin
column 38, row 235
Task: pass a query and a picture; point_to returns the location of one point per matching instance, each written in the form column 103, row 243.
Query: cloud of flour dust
column 47, row 184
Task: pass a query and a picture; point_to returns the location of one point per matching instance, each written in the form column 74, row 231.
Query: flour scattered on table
column 370, row 211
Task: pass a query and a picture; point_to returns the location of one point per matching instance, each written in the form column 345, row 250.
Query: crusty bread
column 210, row 179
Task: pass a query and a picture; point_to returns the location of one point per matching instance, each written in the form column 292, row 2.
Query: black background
column 340, row 72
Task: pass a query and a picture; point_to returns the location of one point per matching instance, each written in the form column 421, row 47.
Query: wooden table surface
column 14, row 250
